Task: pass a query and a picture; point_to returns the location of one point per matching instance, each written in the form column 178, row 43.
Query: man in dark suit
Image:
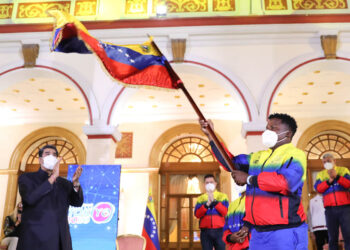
column 46, row 198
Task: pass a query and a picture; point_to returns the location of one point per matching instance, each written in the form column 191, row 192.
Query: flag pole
column 180, row 84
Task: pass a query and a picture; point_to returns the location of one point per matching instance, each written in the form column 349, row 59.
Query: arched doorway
column 329, row 136
column 65, row 149
column 335, row 142
column 183, row 166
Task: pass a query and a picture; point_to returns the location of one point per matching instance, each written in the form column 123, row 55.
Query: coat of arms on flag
column 150, row 230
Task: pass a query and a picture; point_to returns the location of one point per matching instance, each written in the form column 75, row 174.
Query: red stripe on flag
column 149, row 242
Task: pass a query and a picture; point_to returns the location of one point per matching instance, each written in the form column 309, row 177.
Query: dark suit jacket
column 44, row 223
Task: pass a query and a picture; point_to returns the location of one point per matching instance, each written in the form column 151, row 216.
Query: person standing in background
column 46, row 198
column 236, row 234
column 333, row 183
column 211, row 209
column 317, row 221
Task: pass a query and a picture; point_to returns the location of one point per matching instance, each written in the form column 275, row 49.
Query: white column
column 101, row 143
column 252, row 132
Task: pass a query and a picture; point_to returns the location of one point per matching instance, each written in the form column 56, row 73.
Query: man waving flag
column 150, row 231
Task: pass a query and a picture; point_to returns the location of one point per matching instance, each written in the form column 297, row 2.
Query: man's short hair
column 41, row 151
column 286, row 119
column 328, row 155
column 209, row 176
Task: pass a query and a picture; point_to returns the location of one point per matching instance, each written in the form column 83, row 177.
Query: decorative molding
column 6, row 11
column 85, row 8
column 190, row 21
column 253, row 128
column 138, row 7
column 276, row 5
column 224, row 5
column 254, row 133
column 101, row 136
column 181, row 6
column 8, row 171
column 329, row 46
column 124, row 146
column 178, row 47
column 30, row 54
column 139, row 170
column 319, row 4
column 39, row 9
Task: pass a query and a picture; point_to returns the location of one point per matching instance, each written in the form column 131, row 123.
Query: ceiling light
column 324, row 102
column 75, row 99
column 26, row 100
column 177, row 97
column 179, row 105
column 337, row 83
column 201, row 96
column 58, row 108
column 305, row 93
column 310, row 83
column 51, row 100
column 201, row 85
column 317, row 71
column 42, row 90
column 202, row 105
column 275, row 103
column 36, row 109
column 16, row 90
column 330, row 93
column 300, row 102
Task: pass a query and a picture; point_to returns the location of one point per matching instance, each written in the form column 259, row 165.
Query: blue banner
column 94, row 225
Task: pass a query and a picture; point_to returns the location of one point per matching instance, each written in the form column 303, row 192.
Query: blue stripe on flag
column 131, row 57
column 150, row 227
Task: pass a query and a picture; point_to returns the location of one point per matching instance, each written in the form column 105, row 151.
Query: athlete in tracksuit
column 334, row 183
column 275, row 179
column 211, row 209
column 233, row 223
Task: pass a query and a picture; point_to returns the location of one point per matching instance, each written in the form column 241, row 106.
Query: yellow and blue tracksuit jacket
column 234, row 222
column 274, row 197
column 336, row 193
column 214, row 215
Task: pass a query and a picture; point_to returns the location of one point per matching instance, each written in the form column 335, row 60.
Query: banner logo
column 100, row 213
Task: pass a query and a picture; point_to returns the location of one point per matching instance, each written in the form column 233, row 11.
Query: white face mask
column 270, row 138
column 241, row 189
column 328, row 165
column 210, row 187
column 49, row 162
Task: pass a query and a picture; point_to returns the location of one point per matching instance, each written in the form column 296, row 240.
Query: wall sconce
column 161, row 10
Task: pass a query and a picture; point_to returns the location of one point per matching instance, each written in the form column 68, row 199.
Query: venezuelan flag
column 150, row 231
column 137, row 64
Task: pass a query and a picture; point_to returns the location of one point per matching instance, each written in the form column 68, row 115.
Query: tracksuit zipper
column 280, row 197
column 281, row 207
column 262, row 168
column 335, row 197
